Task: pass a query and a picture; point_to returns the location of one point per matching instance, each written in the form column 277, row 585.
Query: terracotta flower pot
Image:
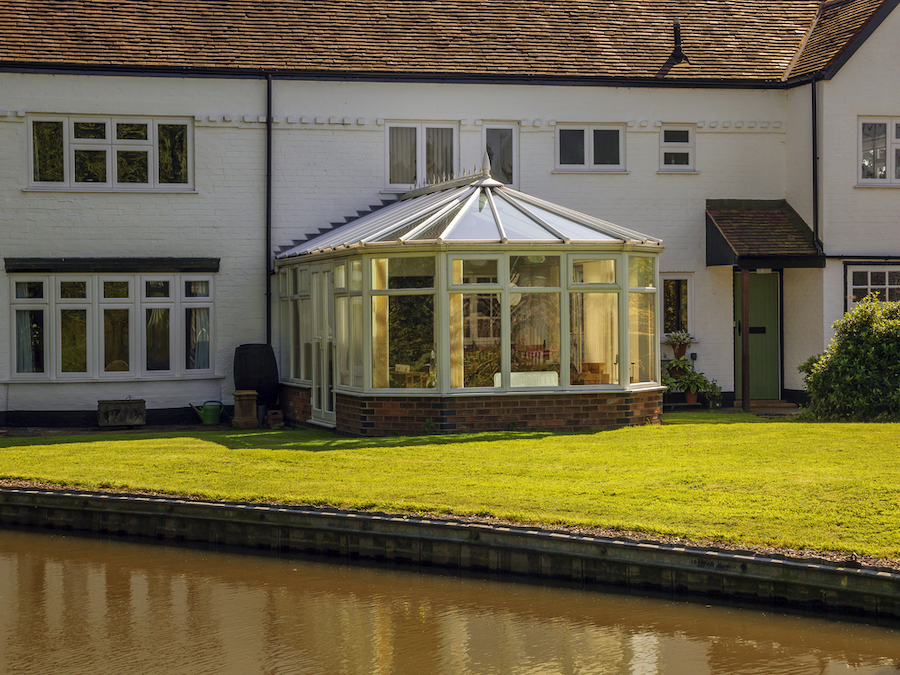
column 690, row 397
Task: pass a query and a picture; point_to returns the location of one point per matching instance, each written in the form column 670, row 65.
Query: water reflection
column 76, row 605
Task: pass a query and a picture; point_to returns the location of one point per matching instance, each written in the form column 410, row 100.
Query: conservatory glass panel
column 534, row 271
column 296, row 344
column 568, row 228
column 437, row 228
column 403, row 341
column 475, row 271
column 477, row 223
column 641, row 272
column 643, row 342
column 534, row 339
column 518, row 226
column 475, row 329
column 594, row 271
column 356, row 341
column 305, row 330
column 394, row 273
column 594, row 326
column 342, row 339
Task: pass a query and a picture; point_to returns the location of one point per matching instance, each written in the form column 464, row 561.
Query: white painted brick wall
column 324, row 172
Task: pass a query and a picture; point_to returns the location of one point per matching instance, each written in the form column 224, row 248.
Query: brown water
column 79, row 605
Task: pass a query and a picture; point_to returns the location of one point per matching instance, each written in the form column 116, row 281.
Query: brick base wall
column 294, row 402
column 412, row 415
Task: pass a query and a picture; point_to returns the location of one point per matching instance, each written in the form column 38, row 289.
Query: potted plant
column 713, row 395
column 692, row 383
column 679, row 366
column 679, row 341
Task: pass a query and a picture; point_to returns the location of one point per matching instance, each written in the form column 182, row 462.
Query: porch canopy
column 754, row 234
column 471, row 286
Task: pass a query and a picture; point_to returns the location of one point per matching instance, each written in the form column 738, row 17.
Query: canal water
column 71, row 604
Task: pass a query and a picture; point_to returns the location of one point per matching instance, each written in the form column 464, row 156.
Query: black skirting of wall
column 797, row 396
column 741, row 576
column 88, row 418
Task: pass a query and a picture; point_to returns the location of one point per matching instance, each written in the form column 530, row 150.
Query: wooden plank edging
column 691, row 571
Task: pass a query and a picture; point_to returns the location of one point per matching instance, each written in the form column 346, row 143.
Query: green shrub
column 858, row 376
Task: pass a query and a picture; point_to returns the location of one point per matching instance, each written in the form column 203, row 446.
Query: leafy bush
column 858, row 377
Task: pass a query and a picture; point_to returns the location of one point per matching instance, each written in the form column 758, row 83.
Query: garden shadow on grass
column 712, row 417
column 302, row 440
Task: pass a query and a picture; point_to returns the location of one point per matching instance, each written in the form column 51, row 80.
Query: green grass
column 728, row 477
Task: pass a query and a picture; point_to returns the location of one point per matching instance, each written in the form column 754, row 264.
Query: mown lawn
column 727, row 477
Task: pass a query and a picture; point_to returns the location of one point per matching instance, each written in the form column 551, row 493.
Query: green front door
column 765, row 353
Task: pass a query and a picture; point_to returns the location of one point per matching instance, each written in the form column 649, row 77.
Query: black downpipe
column 268, row 209
column 815, row 167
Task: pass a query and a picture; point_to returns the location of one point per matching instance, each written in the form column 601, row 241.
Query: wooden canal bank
column 592, row 561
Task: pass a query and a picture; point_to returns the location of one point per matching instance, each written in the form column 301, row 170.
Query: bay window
column 111, row 326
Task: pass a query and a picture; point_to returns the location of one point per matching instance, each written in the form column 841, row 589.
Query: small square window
column 590, row 148
column 676, row 149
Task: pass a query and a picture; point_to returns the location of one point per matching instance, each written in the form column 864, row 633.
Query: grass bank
column 726, row 477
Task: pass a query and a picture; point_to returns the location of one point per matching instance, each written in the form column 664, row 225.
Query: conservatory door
column 322, row 399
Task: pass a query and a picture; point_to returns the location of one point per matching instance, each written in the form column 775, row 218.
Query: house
column 168, row 168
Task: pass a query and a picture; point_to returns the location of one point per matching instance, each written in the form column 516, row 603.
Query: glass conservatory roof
column 474, row 210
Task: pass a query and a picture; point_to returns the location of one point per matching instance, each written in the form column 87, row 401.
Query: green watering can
column 210, row 412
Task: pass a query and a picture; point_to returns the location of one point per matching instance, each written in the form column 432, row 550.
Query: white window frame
column 136, row 303
column 892, row 148
column 420, row 152
column 112, row 146
column 589, row 166
column 666, row 147
column 515, row 145
column 675, row 276
column 30, row 304
column 869, row 268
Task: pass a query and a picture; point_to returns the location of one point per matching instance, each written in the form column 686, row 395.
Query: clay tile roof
column 838, row 23
column 746, row 40
column 762, row 229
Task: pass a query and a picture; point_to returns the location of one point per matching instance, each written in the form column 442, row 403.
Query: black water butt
column 255, row 368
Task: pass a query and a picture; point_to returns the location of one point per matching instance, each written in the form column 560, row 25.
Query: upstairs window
column 103, row 153
column 500, row 145
column 420, row 154
column 590, row 148
column 879, row 149
column 676, row 148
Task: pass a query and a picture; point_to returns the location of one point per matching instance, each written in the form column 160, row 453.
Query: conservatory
column 470, row 306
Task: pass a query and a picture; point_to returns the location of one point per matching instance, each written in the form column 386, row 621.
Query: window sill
column 614, row 172
column 894, row 186
column 167, row 191
column 683, row 172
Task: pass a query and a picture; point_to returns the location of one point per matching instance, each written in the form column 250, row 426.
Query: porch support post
column 745, row 340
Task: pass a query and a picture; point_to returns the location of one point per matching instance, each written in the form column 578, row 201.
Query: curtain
column 402, row 141
column 438, row 154
column 197, row 322
column 29, row 341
